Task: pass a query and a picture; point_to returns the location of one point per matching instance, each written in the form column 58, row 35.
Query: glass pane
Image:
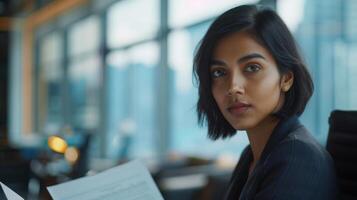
column 84, row 76
column 326, row 34
column 50, row 92
column 131, row 101
column 350, row 20
column 132, row 21
column 51, row 48
column 117, row 101
column 198, row 10
column 186, row 133
column 292, row 19
column 345, row 74
column 84, row 36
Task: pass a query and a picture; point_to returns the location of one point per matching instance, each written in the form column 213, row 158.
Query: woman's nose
column 235, row 90
column 236, row 86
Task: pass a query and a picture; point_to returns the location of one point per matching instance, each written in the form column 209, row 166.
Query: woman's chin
column 240, row 127
column 243, row 125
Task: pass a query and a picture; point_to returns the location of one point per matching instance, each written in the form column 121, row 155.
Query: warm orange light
column 71, row 154
column 57, row 144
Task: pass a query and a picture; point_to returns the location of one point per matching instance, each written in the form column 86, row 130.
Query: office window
column 84, row 36
column 132, row 21
column 84, row 74
column 49, row 84
column 345, row 76
column 328, row 43
column 131, row 101
column 84, row 91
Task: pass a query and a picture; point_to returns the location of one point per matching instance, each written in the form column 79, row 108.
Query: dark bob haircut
column 268, row 29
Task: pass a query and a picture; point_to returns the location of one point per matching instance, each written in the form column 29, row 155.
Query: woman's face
column 246, row 84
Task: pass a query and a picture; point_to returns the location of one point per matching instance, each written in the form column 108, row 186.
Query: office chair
column 342, row 145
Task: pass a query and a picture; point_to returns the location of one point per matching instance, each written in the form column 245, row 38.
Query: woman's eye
column 217, row 73
column 252, row 68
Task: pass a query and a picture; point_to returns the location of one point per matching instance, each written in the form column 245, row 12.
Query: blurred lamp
column 57, row 144
column 71, row 154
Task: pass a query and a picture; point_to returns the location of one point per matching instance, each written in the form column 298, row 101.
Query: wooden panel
column 27, row 81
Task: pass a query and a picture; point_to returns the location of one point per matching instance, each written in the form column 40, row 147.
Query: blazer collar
column 281, row 131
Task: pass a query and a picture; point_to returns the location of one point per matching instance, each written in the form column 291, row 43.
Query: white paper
column 131, row 181
column 10, row 195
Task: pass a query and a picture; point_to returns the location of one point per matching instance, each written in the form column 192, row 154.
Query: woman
column 251, row 77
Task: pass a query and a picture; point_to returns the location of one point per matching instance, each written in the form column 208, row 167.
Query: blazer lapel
column 240, row 175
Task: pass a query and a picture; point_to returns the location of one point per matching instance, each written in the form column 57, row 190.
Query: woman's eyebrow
column 250, row 56
column 240, row 60
column 217, row 62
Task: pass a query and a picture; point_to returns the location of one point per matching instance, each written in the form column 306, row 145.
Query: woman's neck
column 259, row 136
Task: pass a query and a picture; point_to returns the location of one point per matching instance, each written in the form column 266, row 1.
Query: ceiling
column 9, row 8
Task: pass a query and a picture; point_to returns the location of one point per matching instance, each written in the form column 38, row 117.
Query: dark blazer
column 293, row 166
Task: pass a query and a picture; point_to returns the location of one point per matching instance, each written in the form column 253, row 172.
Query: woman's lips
column 239, row 108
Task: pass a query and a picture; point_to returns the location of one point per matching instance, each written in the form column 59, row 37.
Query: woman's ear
column 287, row 81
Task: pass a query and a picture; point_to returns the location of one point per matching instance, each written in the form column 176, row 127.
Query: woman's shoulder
column 300, row 148
column 300, row 162
column 304, row 144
